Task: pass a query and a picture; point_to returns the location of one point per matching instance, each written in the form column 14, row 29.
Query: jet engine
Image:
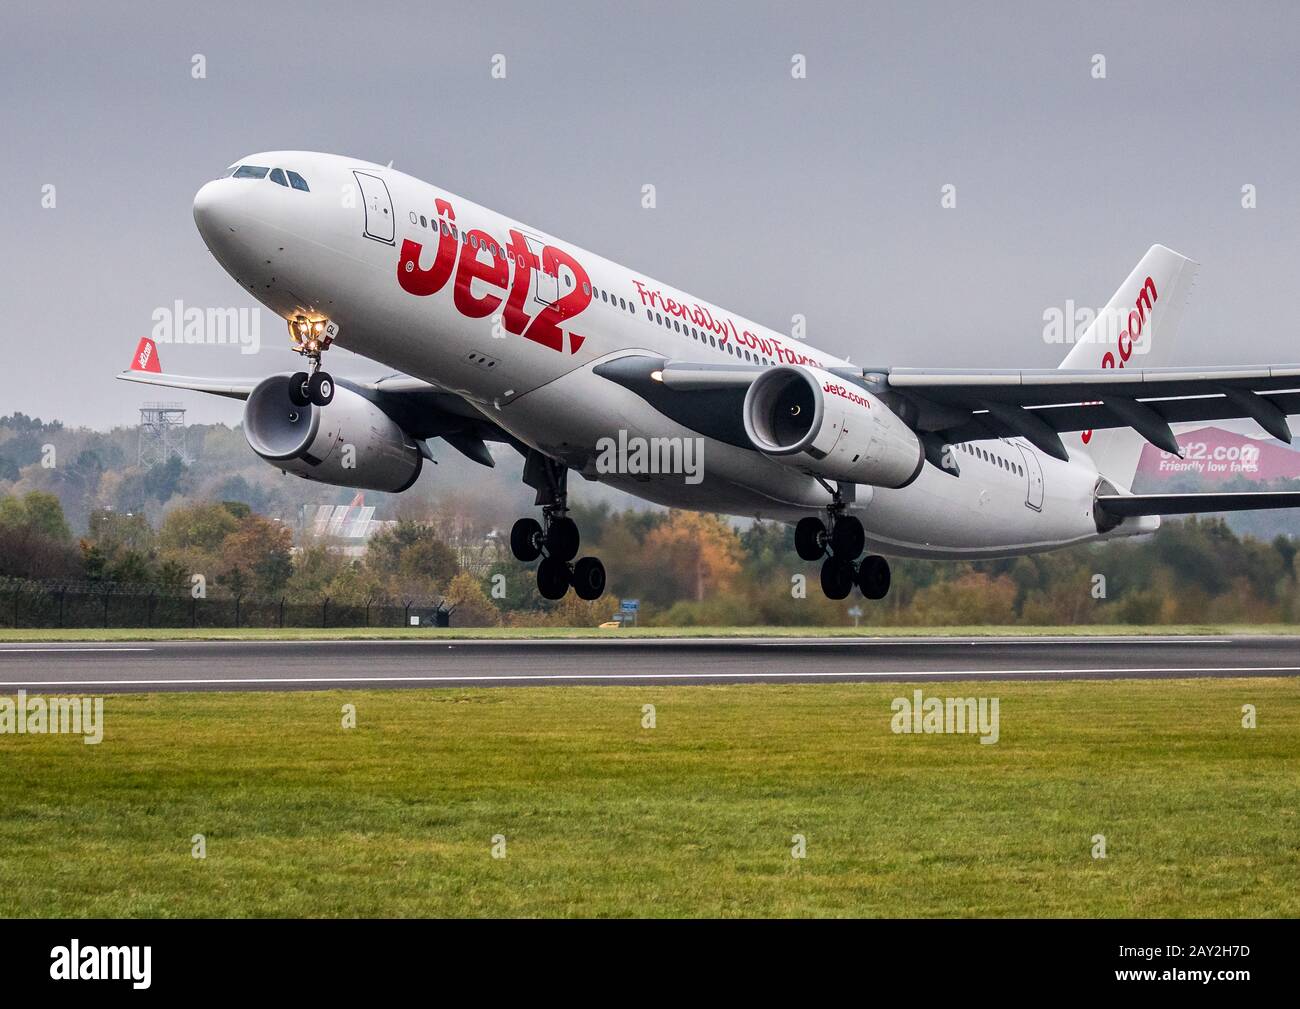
column 351, row 442
column 827, row 427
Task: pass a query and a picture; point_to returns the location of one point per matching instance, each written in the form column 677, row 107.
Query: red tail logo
column 146, row 356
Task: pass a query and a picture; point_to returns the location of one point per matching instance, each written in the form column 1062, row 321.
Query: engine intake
column 815, row 421
column 350, row 443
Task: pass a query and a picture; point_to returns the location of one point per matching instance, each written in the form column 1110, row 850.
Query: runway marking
column 26, row 651
column 543, row 677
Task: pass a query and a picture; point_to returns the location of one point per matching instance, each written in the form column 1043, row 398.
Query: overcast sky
column 776, row 195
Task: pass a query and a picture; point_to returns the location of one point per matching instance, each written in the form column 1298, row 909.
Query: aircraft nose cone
column 210, row 206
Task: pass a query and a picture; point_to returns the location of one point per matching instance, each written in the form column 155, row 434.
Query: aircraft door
column 378, row 207
column 546, row 286
column 1033, row 479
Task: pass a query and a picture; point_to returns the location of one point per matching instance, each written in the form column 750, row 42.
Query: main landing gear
column 841, row 545
column 311, row 340
column 555, row 539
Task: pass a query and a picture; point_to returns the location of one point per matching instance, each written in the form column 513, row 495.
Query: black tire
column 320, row 387
column 837, row 578
column 552, row 578
column 848, row 538
column 562, row 539
column 589, row 578
column 810, row 539
column 874, row 577
column 526, row 540
column 298, row 389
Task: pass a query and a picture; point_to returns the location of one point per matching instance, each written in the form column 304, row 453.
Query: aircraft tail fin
column 146, row 356
column 1137, row 329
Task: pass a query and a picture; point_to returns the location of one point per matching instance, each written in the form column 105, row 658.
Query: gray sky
column 776, row 196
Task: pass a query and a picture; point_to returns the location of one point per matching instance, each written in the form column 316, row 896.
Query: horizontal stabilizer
column 1124, row 505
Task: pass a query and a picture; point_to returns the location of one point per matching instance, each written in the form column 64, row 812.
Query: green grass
column 694, row 817
column 508, row 633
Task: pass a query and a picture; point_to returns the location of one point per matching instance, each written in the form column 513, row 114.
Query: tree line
column 686, row 568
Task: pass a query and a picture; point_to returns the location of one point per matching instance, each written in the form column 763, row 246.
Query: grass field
column 693, row 817
column 507, row 633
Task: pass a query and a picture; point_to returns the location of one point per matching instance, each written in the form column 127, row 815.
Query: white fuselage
column 517, row 324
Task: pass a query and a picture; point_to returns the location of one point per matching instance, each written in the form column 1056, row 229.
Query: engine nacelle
column 350, row 443
column 825, row 426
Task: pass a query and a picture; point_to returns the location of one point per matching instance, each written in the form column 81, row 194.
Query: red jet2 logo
column 1147, row 297
column 507, row 268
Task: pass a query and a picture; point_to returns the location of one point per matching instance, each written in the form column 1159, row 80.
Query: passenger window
column 423, row 222
column 298, row 182
column 586, row 288
column 250, row 172
column 278, row 178
column 622, row 304
column 604, row 296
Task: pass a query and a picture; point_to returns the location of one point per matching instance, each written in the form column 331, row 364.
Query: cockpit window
column 277, row 177
column 298, row 182
column 250, row 172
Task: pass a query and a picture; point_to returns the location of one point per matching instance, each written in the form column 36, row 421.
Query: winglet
column 146, row 356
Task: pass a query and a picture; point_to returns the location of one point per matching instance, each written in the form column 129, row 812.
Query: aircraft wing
column 234, row 388
column 421, row 409
column 1038, row 405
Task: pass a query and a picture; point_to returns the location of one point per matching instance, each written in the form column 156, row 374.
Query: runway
column 320, row 665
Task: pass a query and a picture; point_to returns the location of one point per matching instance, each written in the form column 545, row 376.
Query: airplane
column 499, row 332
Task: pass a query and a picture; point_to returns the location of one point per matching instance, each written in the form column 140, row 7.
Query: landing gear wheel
column 810, row 539
column 837, row 577
column 562, row 538
column 848, row 538
column 298, row 394
column 873, row 577
column 526, row 540
column 552, row 578
column 320, row 388
column 589, row 578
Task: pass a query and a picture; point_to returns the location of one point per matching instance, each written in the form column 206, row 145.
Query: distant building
column 345, row 528
column 1214, row 455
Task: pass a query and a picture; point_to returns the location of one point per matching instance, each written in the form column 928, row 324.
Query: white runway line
column 29, row 651
column 974, row 674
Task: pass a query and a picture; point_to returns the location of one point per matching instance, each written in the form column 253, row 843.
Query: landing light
column 309, row 334
column 656, row 376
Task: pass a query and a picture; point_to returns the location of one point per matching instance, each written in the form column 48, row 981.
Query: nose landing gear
column 311, row 340
column 840, row 546
column 555, row 539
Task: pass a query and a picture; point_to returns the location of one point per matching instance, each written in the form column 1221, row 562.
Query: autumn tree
column 411, row 559
column 261, row 551
column 472, row 607
column 696, row 553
